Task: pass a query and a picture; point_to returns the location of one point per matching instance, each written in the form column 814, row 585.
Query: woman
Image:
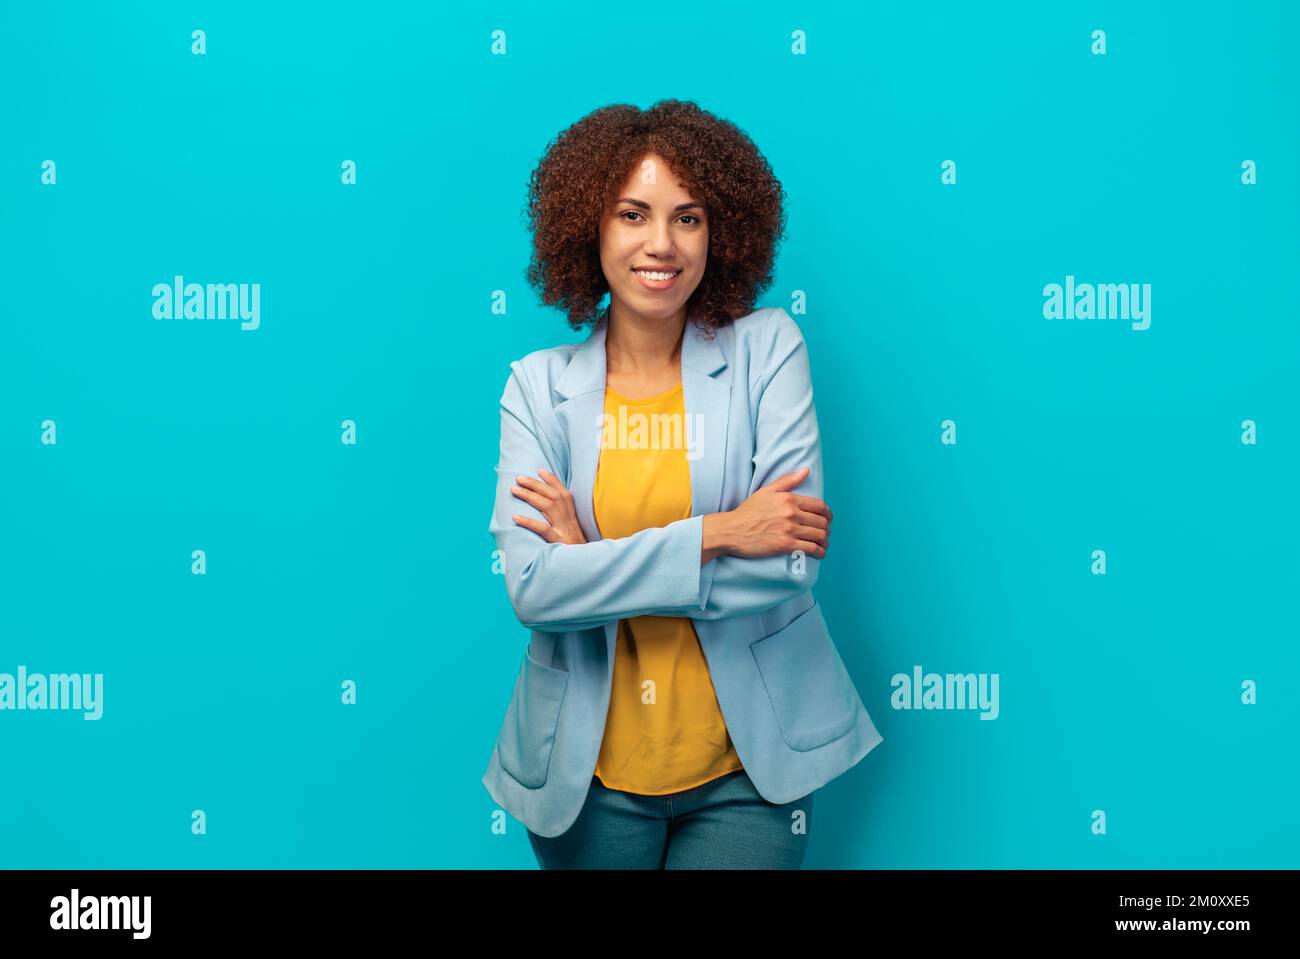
column 659, row 519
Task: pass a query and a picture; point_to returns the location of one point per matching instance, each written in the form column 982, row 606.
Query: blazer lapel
column 707, row 383
column 583, row 383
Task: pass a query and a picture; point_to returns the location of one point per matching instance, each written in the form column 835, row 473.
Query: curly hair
column 582, row 169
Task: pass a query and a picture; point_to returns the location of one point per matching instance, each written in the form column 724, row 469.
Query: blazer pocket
column 811, row 692
column 528, row 734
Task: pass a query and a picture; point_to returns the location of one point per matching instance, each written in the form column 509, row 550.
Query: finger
column 537, row 526
column 536, row 499
column 534, row 484
column 552, row 480
column 811, row 549
column 816, row 520
column 818, row 536
column 789, row 480
column 812, row 504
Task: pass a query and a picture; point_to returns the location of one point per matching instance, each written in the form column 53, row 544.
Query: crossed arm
column 557, row 587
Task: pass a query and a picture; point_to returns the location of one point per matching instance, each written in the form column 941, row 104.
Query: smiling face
column 654, row 244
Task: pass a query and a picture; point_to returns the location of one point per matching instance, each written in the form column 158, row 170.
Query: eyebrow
column 645, row 206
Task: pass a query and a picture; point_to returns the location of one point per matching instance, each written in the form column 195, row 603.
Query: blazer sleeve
column 558, row 587
column 786, row 439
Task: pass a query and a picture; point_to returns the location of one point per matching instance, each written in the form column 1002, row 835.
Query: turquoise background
column 373, row 563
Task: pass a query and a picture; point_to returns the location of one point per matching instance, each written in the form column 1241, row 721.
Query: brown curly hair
column 585, row 165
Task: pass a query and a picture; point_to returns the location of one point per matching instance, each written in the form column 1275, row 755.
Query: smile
column 657, row 279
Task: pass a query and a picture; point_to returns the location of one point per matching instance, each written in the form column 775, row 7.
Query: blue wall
column 371, row 562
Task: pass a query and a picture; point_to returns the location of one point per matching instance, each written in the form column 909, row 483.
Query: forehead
column 652, row 178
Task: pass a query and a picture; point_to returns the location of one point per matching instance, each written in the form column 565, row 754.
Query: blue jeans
column 722, row 824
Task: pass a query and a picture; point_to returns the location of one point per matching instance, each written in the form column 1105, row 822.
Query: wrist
column 716, row 537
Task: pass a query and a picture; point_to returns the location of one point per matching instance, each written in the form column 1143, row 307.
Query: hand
column 774, row 521
column 554, row 502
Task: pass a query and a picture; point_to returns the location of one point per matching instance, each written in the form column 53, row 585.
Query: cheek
column 615, row 251
column 701, row 251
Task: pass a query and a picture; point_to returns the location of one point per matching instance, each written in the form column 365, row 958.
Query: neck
column 639, row 344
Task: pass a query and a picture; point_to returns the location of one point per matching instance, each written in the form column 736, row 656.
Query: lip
column 657, row 284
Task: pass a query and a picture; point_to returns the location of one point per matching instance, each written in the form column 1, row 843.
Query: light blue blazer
column 790, row 706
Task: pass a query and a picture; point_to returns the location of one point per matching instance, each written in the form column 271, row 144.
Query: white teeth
column 655, row 276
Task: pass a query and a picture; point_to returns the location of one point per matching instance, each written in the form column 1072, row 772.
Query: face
column 655, row 226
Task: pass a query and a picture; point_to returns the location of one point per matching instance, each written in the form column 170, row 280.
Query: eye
column 626, row 212
column 691, row 216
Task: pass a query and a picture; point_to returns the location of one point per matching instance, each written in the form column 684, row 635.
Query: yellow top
column 664, row 731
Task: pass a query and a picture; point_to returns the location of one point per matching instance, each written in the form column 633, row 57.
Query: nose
column 660, row 241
